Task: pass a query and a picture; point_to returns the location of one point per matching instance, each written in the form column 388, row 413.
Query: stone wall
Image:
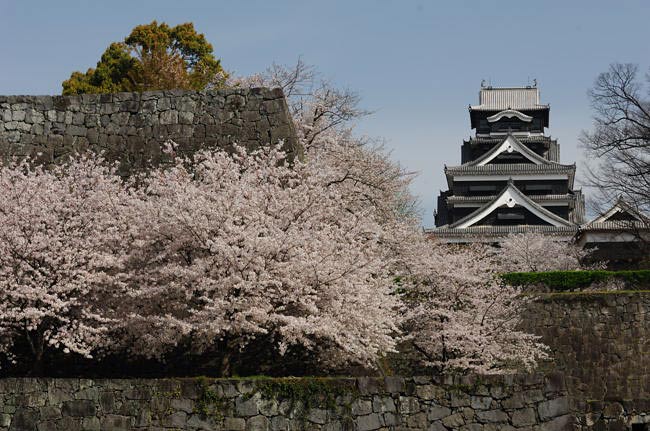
column 130, row 127
column 616, row 416
column 601, row 342
column 485, row 403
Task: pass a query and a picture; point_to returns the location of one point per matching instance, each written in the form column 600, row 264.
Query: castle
column 511, row 180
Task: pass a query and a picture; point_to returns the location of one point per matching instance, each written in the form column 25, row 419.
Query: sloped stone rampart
column 486, row 403
column 599, row 341
column 131, row 127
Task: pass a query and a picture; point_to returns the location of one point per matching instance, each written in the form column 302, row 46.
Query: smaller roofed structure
column 620, row 235
column 517, row 103
column 502, row 98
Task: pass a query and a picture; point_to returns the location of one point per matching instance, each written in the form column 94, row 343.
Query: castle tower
column 510, row 179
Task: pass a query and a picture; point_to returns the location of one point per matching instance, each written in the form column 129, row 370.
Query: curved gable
column 510, row 113
column 510, row 144
column 511, row 196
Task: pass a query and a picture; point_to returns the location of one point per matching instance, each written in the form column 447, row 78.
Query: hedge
column 572, row 280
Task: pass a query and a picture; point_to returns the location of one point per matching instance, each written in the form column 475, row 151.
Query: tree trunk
column 225, row 370
column 36, row 343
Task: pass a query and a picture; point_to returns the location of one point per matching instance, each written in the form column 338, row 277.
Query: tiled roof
column 498, row 139
column 536, row 198
column 495, row 233
column 621, row 206
column 498, row 99
column 617, row 225
column 510, row 168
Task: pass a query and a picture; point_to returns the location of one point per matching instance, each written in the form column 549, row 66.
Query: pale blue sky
column 418, row 64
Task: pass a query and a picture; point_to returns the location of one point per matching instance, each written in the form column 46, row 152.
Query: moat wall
column 483, row 403
column 600, row 342
column 131, row 127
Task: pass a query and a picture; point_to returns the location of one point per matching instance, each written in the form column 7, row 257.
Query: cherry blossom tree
column 535, row 252
column 59, row 249
column 221, row 250
column 325, row 118
column 458, row 315
column 241, row 247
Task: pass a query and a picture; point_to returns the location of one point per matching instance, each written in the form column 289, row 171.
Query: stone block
column 515, row 401
column 553, row 408
column 562, row 423
column 79, row 408
column 431, row 392
column 437, row 426
column 417, row 421
column 247, row 407
column 480, row 403
column 383, row 404
column 408, row 405
column 185, row 117
column 523, row 417
column 317, row 416
column 438, row 412
column 91, row 424
column 18, row 115
column 49, row 413
column 176, row 420
column 46, row 426
column 107, row 401
column 236, row 424
column 492, row 416
column 182, row 404
column 390, row 419
column 200, row 422
column 453, row 421
column 257, row 423
column 279, row 423
column 368, row 422
column 24, row 419
column 116, row 423
column 460, row 399
column 361, row 407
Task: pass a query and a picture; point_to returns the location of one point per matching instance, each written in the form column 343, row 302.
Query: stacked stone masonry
column 599, row 341
column 132, row 127
column 486, row 403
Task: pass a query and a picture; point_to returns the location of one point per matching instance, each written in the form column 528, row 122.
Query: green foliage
column 573, row 280
column 210, row 404
column 586, row 296
column 161, row 401
column 307, row 393
column 153, row 57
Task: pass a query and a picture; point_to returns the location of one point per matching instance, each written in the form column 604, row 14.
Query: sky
column 417, row 64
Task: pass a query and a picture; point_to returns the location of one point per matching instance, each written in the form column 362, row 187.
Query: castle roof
column 510, row 144
column 503, row 98
column 505, row 171
column 621, row 212
column 511, row 196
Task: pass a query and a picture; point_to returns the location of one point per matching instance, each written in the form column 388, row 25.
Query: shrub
column 572, row 280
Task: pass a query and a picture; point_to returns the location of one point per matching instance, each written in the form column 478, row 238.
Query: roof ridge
column 516, row 145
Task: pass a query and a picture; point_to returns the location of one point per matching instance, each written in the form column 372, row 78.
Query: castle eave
column 497, row 233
